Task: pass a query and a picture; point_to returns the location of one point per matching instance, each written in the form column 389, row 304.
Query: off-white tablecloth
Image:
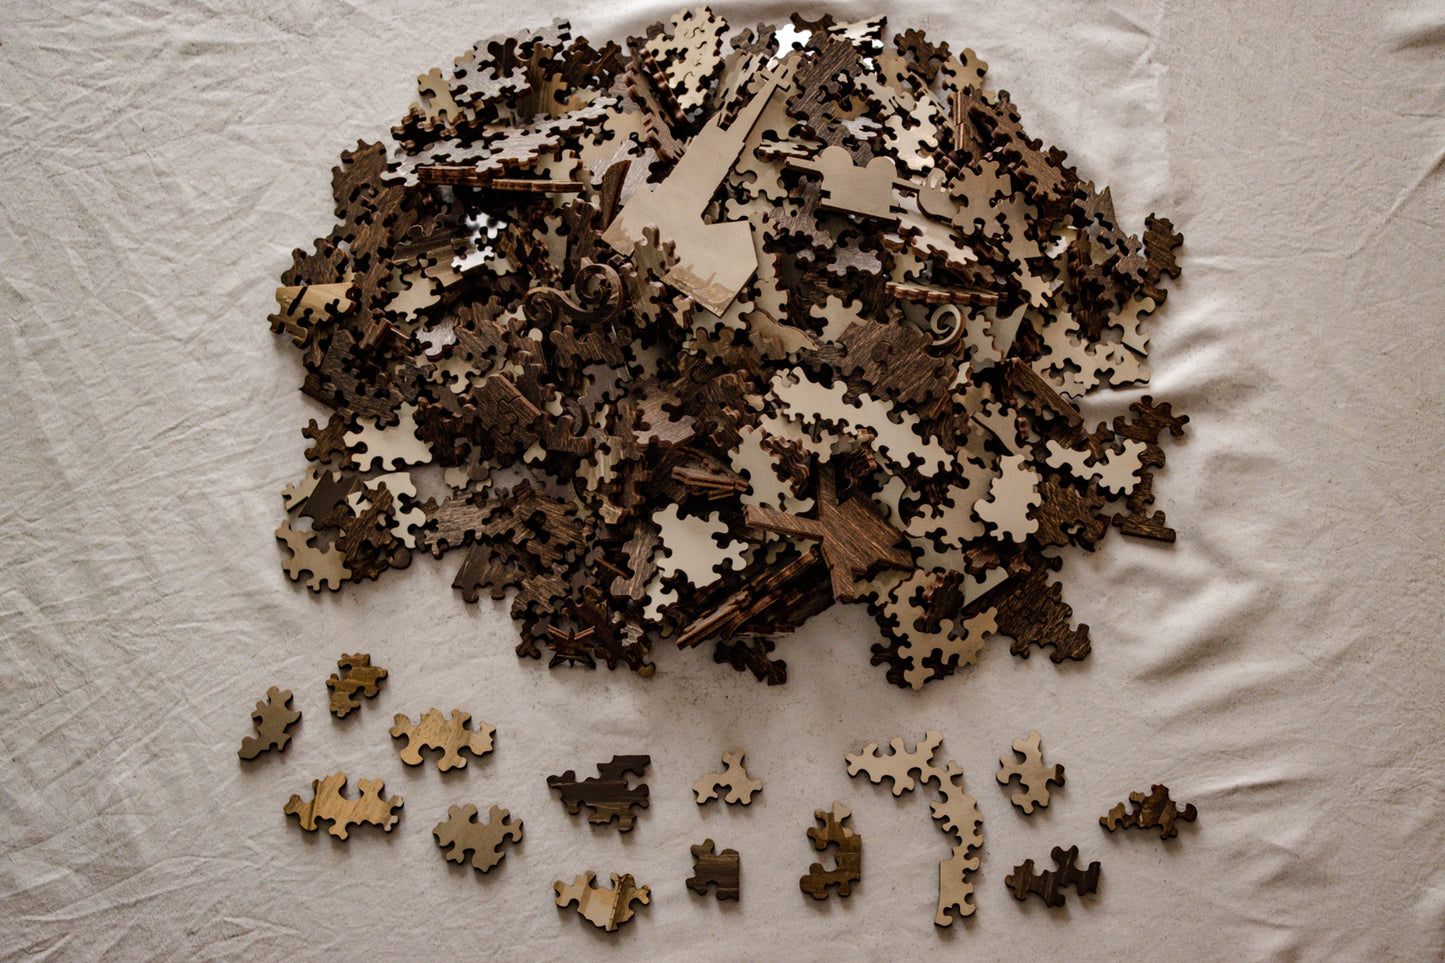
column 1280, row 666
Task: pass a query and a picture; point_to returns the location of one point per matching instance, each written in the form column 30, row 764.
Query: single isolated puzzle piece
column 436, row 731
column 1049, row 885
column 607, row 794
column 719, row 869
column 1150, row 810
column 899, row 764
column 329, row 802
column 272, row 718
column 461, row 833
column 740, row 785
column 848, row 860
column 1031, row 773
column 605, row 909
column 360, row 676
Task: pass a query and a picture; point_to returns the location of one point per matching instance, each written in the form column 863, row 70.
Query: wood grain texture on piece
column 722, row 871
column 360, row 678
column 606, row 795
column 847, row 866
column 606, row 909
column 272, row 718
column 1150, row 810
column 461, row 833
column 740, row 786
column 1049, row 885
column 1032, row 774
column 707, row 332
column 955, row 811
column 453, row 735
column 329, row 803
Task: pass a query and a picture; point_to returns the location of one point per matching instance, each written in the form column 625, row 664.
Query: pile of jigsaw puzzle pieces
column 691, row 339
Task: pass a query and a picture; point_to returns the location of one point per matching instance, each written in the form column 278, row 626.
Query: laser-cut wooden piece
column 461, row 833
column 734, row 776
column 721, row 870
column 1049, row 885
column 1150, row 810
column 360, row 676
column 452, row 735
column 272, row 718
column 329, row 802
column 847, row 859
column 1030, row 771
column 606, row 909
column 955, row 810
column 606, row 795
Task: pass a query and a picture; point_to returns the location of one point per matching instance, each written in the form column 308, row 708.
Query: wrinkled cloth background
column 1280, row 666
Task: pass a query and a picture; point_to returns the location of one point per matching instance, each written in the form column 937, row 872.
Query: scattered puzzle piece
column 461, row 833
column 955, row 810
column 721, row 870
column 605, row 909
column 847, row 859
column 1031, row 773
column 272, row 718
column 734, row 776
column 1150, row 810
column 451, row 735
column 607, row 795
column 1049, row 885
column 360, row 676
column 330, row 803
column 899, row 764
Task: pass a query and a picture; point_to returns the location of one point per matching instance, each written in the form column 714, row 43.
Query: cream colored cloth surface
column 1280, row 667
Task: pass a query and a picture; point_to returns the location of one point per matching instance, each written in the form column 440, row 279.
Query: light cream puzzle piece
column 740, row 785
column 1031, row 773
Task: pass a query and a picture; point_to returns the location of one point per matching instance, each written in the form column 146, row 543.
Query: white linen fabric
column 1280, row 666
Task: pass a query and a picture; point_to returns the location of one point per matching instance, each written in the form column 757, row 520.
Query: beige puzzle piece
column 740, row 785
column 450, row 735
column 1031, row 773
